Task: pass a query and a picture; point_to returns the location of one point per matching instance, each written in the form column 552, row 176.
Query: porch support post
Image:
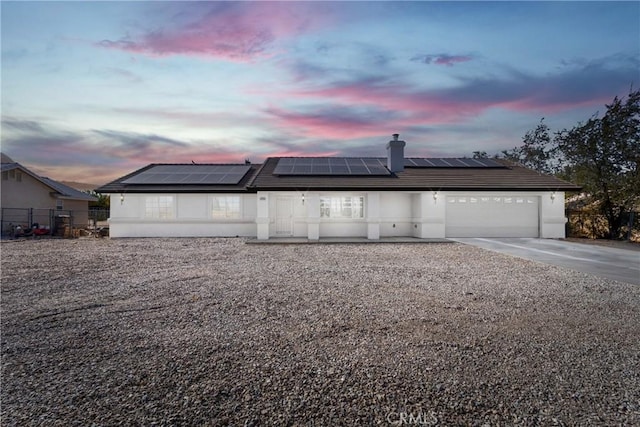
column 431, row 220
column 373, row 215
column 552, row 215
column 262, row 217
column 312, row 200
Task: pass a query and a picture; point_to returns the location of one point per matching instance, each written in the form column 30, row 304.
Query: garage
column 492, row 216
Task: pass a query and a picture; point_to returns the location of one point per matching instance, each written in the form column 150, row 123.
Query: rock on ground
column 216, row 332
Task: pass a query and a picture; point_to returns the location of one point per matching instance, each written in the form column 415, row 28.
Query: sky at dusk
column 94, row 90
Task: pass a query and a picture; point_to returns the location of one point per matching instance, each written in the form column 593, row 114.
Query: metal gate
column 284, row 216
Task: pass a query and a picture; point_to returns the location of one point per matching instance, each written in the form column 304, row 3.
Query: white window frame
column 160, row 207
column 225, row 207
column 342, row 207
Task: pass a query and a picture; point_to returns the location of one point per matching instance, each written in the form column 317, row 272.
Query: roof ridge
column 251, row 181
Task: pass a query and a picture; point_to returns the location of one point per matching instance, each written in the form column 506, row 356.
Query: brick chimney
column 395, row 154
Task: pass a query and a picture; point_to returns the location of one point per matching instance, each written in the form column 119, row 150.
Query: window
column 12, row 174
column 19, row 176
column 5, row 175
column 342, row 207
column 59, row 204
column 225, row 207
column 159, row 207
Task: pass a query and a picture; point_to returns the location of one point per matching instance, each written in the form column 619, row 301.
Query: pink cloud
column 337, row 123
column 519, row 92
column 424, row 107
column 305, row 153
column 233, row 31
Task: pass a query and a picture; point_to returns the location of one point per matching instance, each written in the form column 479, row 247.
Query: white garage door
column 492, row 216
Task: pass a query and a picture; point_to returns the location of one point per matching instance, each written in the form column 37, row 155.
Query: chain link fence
column 24, row 222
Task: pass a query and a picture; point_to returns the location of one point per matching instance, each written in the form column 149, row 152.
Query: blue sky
column 94, row 90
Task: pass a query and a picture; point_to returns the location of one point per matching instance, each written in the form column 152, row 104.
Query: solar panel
column 358, row 170
column 416, row 163
column 339, row 170
column 369, row 165
column 456, row 163
column 190, row 174
column 330, row 166
column 451, row 163
column 321, row 169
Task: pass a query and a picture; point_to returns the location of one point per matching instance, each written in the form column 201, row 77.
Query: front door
column 284, row 216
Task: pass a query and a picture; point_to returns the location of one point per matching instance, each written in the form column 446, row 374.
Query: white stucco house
column 315, row 197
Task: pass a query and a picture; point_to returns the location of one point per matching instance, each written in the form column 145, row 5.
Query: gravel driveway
column 216, row 332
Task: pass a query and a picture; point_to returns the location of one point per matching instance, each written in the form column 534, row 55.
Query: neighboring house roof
column 185, row 178
column 62, row 191
column 67, row 192
column 5, row 159
column 418, row 175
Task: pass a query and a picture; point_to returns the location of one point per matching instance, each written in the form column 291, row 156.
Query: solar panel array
column 451, row 163
column 331, row 166
column 190, row 174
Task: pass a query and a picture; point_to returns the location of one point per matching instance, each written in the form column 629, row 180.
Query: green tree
column 537, row 150
column 602, row 156
column 480, row 155
column 103, row 201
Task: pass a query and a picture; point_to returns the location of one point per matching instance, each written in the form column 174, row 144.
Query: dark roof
column 121, row 186
column 5, row 158
column 67, row 192
column 62, row 191
column 499, row 175
column 507, row 177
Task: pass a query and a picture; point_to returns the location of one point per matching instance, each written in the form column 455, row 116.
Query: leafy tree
column 103, row 201
column 480, row 155
column 537, row 150
column 602, row 155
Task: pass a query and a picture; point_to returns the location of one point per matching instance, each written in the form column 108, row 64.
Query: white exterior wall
column 552, row 219
column 396, row 214
column 417, row 214
column 429, row 214
column 191, row 217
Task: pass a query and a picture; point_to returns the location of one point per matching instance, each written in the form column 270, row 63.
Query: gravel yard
column 217, row 332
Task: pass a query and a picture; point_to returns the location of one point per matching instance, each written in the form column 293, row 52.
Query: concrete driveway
column 611, row 263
